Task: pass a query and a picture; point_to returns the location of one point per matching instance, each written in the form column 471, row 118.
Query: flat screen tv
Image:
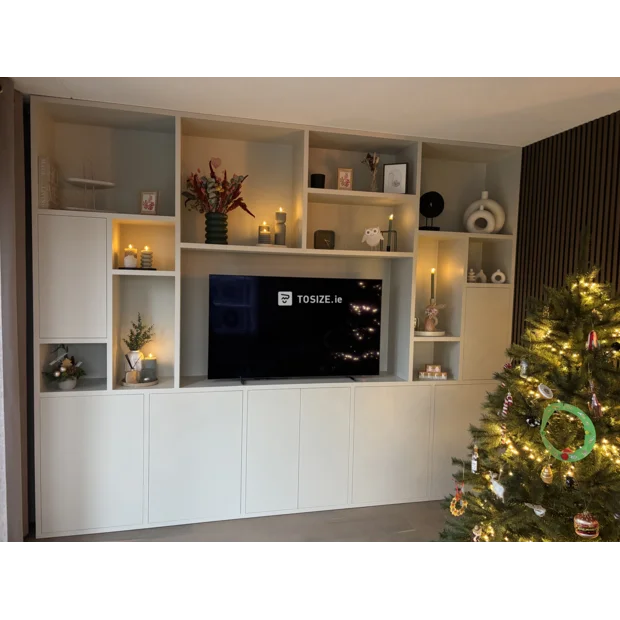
column 269, row 327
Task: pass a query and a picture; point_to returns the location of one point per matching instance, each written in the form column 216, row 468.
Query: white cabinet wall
column 272, row 474
column 195, row 456
column 486, row 334
column 391, row 444
column 324, row 447
column 91, row 462
column 72, row 259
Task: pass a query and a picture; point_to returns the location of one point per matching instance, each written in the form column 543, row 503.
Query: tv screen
column 271, row 327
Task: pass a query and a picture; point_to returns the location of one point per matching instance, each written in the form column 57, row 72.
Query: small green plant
column 65, row 367
column 139, row 335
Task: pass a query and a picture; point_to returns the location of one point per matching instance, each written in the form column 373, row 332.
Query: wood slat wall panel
column 568, row 182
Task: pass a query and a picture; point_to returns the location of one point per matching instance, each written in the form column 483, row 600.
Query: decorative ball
column 546, row 475
column 570, row 482
column 63, row 369
column 616, row 346
column 586, row 525
column 532, row 421
column 57, row 373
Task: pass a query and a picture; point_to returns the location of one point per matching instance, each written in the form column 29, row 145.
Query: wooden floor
column 399, row 523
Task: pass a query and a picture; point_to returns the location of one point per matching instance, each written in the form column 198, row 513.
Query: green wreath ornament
column 588, row 427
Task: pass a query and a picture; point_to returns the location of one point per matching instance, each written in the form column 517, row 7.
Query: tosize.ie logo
column 285, row 298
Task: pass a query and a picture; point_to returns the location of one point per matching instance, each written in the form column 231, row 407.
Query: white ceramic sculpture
column 481, row 277
column 487, row 206
column 498, row 277
column 471, row 276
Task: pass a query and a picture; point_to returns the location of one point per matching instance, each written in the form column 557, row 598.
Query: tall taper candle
column 389, row 237
column 433, row 283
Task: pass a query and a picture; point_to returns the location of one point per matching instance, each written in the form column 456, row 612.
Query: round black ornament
column 615, row 346
column 570, row 482
column 532, row 422
column 431, row 206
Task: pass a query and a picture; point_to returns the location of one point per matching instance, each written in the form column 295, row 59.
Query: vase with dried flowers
column 372, row 161
column 215, row 196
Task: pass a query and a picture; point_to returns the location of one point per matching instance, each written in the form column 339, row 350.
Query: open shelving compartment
column 93, row 356
column 272, row 157
column 154, row 299
column 152, row 232
column 118, row 153
column 447, row 256
column 460, row 173
column 196, row 267
column 349, row 212
column 491, row 253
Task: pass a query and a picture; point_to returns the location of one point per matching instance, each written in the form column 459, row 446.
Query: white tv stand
column 190, row 449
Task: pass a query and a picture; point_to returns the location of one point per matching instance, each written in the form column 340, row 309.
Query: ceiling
column 509, row 111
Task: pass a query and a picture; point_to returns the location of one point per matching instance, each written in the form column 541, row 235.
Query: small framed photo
column 395, row 178
column 148, row 203
column 345, row 178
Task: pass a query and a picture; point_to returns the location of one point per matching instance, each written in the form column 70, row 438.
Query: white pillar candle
column 131, row 257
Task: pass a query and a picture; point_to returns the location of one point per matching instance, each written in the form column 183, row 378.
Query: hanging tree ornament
column 594, row 406
column 592, row 341
column 545, row 391
column 477, row 532
column 523, row 369
column 503, row 439
column 589, row 430
column 474, row 460
column 532, row 421
column 546, row 475
column 507, row 404
column 458, row 503
column 508, row 366
column 496, row 487
column 586, row 525
column 539, row 510
column 570, row 482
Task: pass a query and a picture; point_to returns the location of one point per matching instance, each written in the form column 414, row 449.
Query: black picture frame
column 388, row 185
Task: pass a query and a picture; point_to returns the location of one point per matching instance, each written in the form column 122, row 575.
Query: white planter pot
column 133, row 361
column 67, row 384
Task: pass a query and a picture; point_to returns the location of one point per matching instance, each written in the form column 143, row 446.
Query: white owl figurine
column 373, row 237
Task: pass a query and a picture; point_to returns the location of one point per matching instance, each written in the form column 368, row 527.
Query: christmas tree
column 545, row 458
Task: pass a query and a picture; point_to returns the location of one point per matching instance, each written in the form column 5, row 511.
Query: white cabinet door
column 272, row 450
column 456, row 407
column 72, row 277
column 92, row 463
column 486, row 335
column 324, row 447
column 391, row 437
column 195, row 456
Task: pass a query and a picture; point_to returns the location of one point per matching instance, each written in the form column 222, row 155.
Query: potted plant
column 215, row 197
column 66, row 371
column 138, row 336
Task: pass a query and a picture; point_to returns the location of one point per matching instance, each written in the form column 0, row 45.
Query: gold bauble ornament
column 546, row 474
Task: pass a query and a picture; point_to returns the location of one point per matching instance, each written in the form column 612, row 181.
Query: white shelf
column 90, row 183
column 354, row 197
column 165, row 383
column 450, row 234
column 97, row 385
column 142, row 273
column 486, row 285
column 437, row 339
column 119, row 218
column 274, row 249
column 201, row 382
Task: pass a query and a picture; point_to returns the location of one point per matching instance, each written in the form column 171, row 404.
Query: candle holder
column 148, row 374
column 264, row 234
column 389, row 243
column 146, row 259
column 280, row 228
column 432, row 320
column 130, row 259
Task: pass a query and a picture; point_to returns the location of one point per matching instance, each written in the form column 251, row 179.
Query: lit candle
column 280, row 228
column 131, row 257
column 389, row 235
column 433, row 283
column 149, row 369
column 391, row 222
column 146, row 258
column 264, row 234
